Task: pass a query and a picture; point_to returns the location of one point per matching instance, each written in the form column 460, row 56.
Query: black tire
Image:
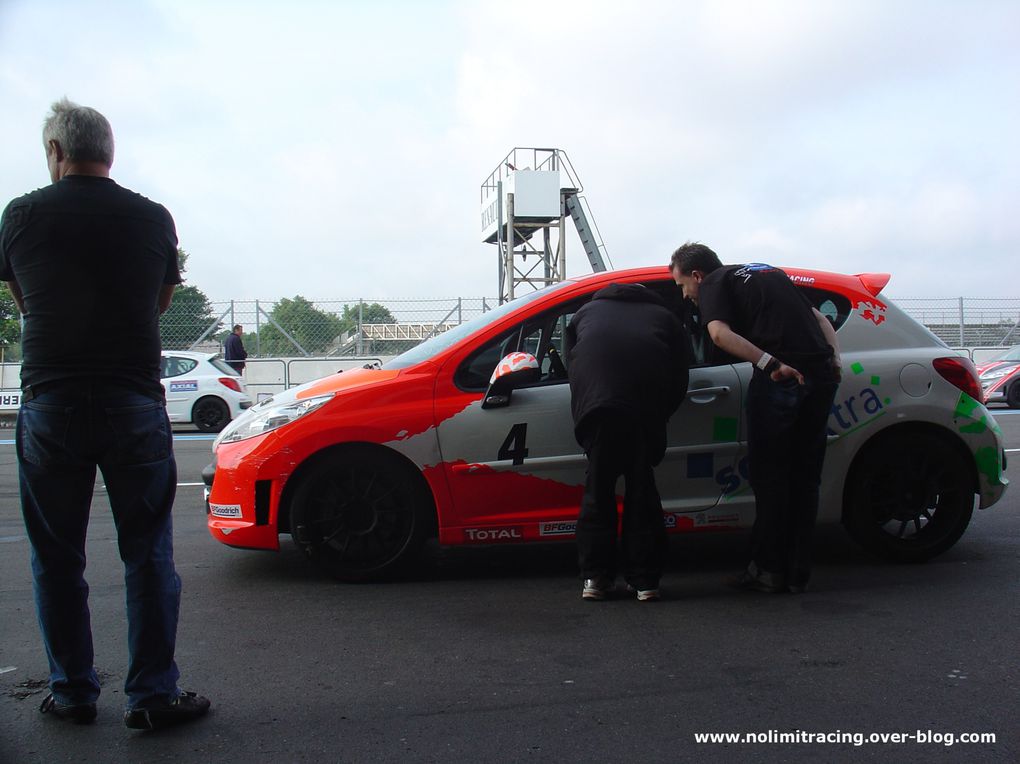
column 210, row 414
column 1013, row 395
column 909, row 497
column 361, row 514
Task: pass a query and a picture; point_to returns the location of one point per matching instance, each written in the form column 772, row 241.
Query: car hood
column 338, row 382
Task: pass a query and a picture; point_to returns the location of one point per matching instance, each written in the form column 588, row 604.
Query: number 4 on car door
column 514, row 445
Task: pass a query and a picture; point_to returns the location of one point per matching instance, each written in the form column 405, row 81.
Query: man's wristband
column 764, row 361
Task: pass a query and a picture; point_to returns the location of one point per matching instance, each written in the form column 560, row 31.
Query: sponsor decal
column 513, row 533
column 184, row 386
column 562, row 528
column 872, row 311
column 226, row 510
column 803, row 279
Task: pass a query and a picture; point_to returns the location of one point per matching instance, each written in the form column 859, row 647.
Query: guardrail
column 262, row 376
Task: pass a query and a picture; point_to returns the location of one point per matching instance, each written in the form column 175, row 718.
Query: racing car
column 1000, row 378
column 458, row 439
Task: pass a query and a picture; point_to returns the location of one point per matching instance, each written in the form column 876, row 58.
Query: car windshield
column 447, row 339
column 1013, row 354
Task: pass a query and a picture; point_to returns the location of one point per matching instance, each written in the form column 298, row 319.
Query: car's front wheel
column 909, row 497
column 360, row 513
column 210, row 414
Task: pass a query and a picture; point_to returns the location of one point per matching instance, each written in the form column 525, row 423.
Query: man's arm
column 736, row 345
column 16, row 294
column 830, row 336
column 166, row 296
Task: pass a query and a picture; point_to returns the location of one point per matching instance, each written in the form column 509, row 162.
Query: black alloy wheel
column 909, row 497
column 210, row 414
column 361, row 514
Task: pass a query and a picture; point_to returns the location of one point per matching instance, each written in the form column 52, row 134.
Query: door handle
column 717, row 390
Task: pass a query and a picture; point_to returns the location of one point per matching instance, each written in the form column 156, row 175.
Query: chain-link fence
column 299, row 327
column 968, row 321
column 337, row 328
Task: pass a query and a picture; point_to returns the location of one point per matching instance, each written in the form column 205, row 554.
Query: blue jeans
column 786, row 441
column 64, row 433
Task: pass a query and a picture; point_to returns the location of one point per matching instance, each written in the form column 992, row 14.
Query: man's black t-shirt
column 90, row 259
column 760, row 303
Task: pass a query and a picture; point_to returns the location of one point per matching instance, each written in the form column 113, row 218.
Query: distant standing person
column 756, row 313
column 233, row 349
column 627, row 361
column 91, row 266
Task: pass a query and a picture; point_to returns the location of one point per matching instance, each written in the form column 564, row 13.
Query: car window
column 222, row 366
column 832, row 305
column 543, row 336
column 175, row 366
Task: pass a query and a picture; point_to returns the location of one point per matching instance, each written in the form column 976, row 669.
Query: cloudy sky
column 335, row 149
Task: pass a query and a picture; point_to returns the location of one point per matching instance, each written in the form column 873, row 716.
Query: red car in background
column 1000, row 378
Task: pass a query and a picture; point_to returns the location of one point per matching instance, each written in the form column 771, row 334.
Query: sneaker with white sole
column 645, row 595
column 596, row 589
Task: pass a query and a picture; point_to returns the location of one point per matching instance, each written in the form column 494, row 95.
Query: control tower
column 531, row 192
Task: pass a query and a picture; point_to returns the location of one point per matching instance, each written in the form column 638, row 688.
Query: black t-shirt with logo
column 762, row 304
column 90, row 258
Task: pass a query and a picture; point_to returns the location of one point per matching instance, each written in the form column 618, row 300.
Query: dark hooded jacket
column 626, row 352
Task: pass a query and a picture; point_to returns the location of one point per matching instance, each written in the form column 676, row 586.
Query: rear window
column 175, row 365
column 832, row 305
column 222, row 366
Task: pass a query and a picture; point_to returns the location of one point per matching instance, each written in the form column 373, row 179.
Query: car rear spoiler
column 874, row 282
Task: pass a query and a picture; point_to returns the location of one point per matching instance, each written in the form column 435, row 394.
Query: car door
column 511, row 467
column 180, row 390
column 519, row 466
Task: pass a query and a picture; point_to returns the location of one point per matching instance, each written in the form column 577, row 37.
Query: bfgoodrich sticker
column 225, row 510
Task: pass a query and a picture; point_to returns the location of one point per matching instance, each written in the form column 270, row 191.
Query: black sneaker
column 184, row 708
column 80, row 713
column 596, row 589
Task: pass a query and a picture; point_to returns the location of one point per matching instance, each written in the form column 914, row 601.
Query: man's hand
column 786, row 372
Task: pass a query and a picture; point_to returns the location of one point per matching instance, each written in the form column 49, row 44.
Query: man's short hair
column 693, row 256
column 83, row 133
column 236, row 327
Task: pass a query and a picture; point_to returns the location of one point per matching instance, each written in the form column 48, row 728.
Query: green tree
column 189, row 315
column 10, row 325
column 314, row 329
column 371, row 313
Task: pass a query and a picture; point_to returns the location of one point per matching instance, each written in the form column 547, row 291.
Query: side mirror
column 513, row 371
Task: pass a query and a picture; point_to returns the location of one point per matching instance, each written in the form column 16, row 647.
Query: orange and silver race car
column 469, row 437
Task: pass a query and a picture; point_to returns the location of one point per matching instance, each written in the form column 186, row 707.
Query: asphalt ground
column 490, row 655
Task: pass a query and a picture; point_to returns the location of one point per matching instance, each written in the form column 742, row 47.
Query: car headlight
column 268, row 416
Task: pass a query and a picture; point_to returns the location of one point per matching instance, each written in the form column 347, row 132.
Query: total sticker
column 226, row 510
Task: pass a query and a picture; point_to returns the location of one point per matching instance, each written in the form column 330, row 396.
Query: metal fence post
column 258, row 331
column 962, row 344
column 361, row 328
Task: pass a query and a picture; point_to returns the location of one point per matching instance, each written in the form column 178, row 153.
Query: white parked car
column 201, row 389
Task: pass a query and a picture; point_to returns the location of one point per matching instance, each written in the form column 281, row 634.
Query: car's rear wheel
column 909, row 497
column 210, row 414
column 1013, row 395
column 361, row 514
